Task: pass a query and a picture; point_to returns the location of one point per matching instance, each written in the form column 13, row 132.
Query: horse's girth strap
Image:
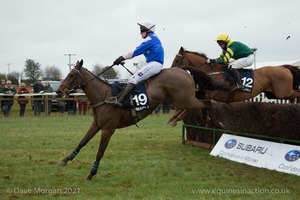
column 98, row 104
column 133, row 111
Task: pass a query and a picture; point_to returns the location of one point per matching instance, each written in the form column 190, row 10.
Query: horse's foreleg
column 105, row 138
column 180, row 116
column 89, row 135
column 174, row 117
column 177, row 117
column 71, row 156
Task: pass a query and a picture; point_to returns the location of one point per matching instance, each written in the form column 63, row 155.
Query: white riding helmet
column 147, row 26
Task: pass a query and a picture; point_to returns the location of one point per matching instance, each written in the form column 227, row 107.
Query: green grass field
column 148, row 162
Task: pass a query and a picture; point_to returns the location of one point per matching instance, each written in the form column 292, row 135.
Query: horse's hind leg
column 89, row 135
column 177, row 117
column 105, row 138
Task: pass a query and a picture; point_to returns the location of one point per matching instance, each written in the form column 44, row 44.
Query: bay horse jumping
column 278, row 82
column 172, row 85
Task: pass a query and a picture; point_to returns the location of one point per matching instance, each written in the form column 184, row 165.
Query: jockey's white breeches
column 145, row 72
column 242, row 62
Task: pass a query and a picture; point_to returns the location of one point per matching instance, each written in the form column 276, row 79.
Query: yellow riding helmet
column 223, row 37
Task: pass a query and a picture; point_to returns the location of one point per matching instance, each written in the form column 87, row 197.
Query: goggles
column 220, row 42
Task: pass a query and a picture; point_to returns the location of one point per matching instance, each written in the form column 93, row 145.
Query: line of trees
column 33, row 70
column 110, row 73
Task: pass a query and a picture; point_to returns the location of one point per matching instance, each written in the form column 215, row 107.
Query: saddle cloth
column 247, row 79
column 139, row 95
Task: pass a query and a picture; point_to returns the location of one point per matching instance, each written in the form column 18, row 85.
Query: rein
column 80, row 79
column 215, row 73
column 76, row 86
column 112, row 66
column 105, row 70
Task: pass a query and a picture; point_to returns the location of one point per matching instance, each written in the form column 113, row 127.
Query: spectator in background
column 157, row 109
column 2, row 83
column 38, row 88
column 1, row 87
column 8, row 101
column 166, row 108
column 82, row 103
column 22, row 100
column 48, row 89
column 60, row 103
column 71, row 104
column 31, row 92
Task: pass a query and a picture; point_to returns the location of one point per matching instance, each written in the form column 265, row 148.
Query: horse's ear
column 181, row 50
column 79, row 64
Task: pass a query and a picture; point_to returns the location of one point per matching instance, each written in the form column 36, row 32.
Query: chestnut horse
column 172, row 85
column 277, row 81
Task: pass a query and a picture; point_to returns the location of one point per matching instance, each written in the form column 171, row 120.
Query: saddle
column 137, row 98
column 246, row 76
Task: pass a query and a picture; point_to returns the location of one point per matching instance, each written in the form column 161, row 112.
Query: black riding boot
column 236, row 75
column 125, row 92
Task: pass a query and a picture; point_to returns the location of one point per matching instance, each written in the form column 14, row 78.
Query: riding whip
column 126, row 68
column 105, row 70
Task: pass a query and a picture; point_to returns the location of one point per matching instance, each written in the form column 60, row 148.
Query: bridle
column 80, row 83
column 188, row 62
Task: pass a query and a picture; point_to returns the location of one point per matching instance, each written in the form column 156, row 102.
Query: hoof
column 173, row 123
column 221, row 125
column 89, row 178
column 62, row 163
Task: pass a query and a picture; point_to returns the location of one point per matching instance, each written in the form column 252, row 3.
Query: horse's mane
column 97, row 77
column 203, row 55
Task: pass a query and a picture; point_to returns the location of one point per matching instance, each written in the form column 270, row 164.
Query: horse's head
column 190, row 58
column 179, row 59
column 73, row 80
column 184, row 57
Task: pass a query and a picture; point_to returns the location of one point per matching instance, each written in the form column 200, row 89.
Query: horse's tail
column 204, row 81
column 296, row 75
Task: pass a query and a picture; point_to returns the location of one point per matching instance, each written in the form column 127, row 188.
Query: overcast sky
column 99, row 31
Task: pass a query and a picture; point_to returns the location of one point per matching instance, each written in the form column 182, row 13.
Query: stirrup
column 114, row 101
column 240, row 87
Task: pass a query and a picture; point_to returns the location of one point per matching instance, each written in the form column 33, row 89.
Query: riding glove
column 119, row 60
column 211, row 61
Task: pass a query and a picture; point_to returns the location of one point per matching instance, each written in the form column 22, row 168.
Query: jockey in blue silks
column 152, row 49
